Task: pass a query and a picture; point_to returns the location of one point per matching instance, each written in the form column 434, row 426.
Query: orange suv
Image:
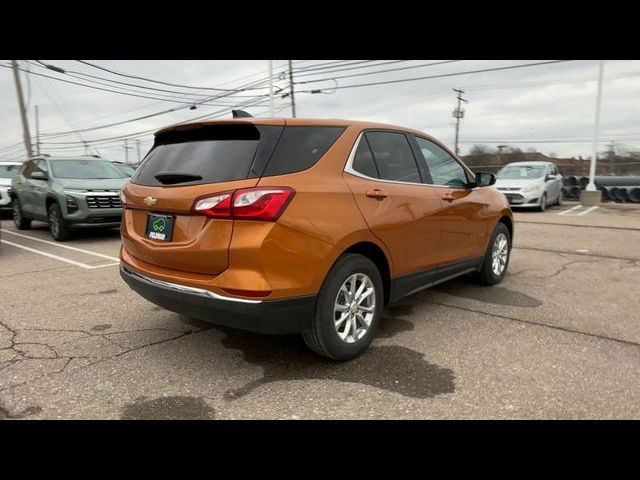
column 305, row 226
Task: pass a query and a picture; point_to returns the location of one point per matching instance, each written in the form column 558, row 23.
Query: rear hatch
column 194, row 161
column 184, row 164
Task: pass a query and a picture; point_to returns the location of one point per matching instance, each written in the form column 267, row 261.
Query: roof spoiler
column 240, row 114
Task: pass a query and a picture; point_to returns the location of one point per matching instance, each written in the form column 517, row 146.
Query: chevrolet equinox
column 283, row 226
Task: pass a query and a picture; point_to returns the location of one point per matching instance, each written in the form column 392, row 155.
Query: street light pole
column 591, row 186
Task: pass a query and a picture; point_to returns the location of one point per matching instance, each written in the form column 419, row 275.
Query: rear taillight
column 216, row 206
column 261, row 203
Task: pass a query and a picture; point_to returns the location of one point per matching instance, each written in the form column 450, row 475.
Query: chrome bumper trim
column 184, row 288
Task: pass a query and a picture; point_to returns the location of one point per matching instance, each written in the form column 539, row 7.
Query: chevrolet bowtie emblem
column 150, row 201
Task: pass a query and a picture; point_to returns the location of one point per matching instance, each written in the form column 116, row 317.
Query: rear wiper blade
column 176, row 177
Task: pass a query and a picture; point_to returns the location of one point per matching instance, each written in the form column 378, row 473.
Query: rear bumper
column 284, row 316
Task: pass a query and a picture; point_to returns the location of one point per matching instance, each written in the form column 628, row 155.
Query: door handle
column 448, row 197
column 377, row 194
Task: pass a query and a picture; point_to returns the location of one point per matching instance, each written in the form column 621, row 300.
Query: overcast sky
column 540, row 104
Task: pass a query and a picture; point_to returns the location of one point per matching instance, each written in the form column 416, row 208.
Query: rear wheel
column 18, row 218
column 348, row 309
column 60, row 231
column 496, row 259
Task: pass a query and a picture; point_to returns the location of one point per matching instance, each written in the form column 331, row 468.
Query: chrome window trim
column 184, row 288
column 349, row 169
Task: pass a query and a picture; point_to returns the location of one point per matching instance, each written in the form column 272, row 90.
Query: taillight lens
column 261, row 203
column 216, row 206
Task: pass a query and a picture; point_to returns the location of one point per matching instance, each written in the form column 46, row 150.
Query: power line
column 59, row 134
column 119, row 92
column 336, row 64
column 468, row 72
column 82, row 74
column 307, row 74
column 161, row 82
column 379, row 71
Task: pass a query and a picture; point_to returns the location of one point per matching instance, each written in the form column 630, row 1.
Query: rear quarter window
column 300, row 148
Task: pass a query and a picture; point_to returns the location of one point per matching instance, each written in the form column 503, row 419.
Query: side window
column 363, row 160
column 40, row 166
column 29, row 168
column 393, row 157
column 444, row 169
column 300, row 148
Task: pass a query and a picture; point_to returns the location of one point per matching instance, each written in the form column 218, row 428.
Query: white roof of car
column 6, row 162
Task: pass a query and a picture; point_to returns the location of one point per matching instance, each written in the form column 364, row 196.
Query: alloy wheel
column 499, row 254
column 354, row 308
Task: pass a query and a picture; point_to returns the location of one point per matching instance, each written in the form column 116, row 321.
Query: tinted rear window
column 300, row 148
column 218, row 154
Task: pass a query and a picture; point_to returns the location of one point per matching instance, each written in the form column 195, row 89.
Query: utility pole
column 37, row 132
column 293, row 99
column 458, row 113
column 138, row 146
column 126, row 150
column 23, row 111
column 271, row 109
column 86, row 148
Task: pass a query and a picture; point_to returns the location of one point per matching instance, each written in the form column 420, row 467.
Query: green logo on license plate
column 159, row 225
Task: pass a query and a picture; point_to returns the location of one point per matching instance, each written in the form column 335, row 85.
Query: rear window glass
column 216, row 154
column 300, row 148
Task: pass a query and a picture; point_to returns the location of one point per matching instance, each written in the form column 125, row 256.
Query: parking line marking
column 590, row 209
column 81, row 250
column 57, row 257
column 564, row 212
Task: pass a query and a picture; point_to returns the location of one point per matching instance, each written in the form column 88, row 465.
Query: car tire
column 543, row 203
column 59, row 229
column 488, row 273
column 330, row 337
column 18, row 217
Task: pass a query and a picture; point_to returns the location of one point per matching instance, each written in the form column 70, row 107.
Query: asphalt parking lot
column 559, row 338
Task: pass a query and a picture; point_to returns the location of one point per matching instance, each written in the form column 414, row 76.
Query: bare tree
column 479, row 150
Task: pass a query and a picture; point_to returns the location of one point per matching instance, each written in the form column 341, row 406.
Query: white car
column 530, row 184
column 7, row 171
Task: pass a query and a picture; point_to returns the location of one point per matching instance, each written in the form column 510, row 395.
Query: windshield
column 9, row 171
column 126, row 169
column 521, row 172
column 85, row 169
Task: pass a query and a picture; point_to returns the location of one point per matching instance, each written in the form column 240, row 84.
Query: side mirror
column 550, row 177
column 484, row 179
column 39, row 176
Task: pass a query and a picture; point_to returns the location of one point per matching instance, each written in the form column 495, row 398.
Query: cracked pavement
column 559, row 338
